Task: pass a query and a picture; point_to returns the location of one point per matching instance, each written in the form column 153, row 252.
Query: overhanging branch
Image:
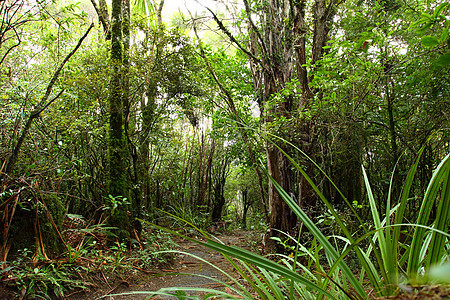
column 43, row 104
column 232, row 38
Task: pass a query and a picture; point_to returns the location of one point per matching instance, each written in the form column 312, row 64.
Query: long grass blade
column 264, row 263
column 387, row 265
column 329, row 249
column 254, row 259
column 404, row 200
column 373, row 277
column 424, row 214
column 442, row 219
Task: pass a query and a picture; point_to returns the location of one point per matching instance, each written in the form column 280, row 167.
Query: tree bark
column 117, row 144
column 277, row 72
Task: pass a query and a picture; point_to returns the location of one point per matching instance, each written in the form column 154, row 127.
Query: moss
column 118, row 185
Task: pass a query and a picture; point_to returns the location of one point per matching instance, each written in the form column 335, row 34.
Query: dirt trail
column 183, row 264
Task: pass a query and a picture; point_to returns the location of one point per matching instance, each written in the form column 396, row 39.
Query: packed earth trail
column 187, row 271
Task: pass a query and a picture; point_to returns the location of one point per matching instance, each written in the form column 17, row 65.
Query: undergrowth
column 381, row 264
column 89, row 262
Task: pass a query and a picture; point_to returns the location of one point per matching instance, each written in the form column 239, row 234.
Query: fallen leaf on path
column 188, row 262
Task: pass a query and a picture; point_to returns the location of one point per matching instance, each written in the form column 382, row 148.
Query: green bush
column 326, row 272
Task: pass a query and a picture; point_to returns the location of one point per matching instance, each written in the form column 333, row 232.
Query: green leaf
column 331, row 252
column 440, row 176
column 251, row 258
column 442, row 219
column 426, row 16
column 264, row 263
column 429, row 41
column 439, row 9
column 444, row 60
column 444, row 35
column 389, row 266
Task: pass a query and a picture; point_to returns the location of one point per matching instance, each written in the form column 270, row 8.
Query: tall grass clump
column 381, row 262
column 383, row 268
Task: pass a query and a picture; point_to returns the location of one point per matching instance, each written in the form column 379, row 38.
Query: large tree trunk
column 133, row 172
column 281, row 216
column 277, row 72
column 283, row 44
column 117, row 144
column 275, row 47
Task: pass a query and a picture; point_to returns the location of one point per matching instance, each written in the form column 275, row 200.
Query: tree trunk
column 117, row 144
column 220, row 177
column 103, row 16
column 272, row 49
column 277, row 72
column 246, row 206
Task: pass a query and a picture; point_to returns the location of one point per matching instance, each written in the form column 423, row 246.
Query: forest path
column 184, row 263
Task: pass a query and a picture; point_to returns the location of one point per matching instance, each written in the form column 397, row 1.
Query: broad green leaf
column 426, row 16
column 439, row 9
column 429, row 41
column 444, row 60
column 444, row 35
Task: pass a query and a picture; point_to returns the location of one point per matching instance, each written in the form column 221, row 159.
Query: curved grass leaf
column 440, row 175
column 329, row 249
column 254, row 259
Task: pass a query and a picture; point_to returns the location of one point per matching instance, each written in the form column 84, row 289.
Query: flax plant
column 381, row 262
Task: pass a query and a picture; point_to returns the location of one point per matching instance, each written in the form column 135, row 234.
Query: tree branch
column 232, row 38
column 41, row 106
column 12, row 47
column 252, row 24
column 102, row 17
column 61, row 66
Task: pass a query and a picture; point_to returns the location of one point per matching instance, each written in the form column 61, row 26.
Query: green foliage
column 114, row 204
column 50, row 216
column 118, row 216
column 273, row 275
column 387, row 261
column 380, row 88
column 197, row 216
column 156, row 251
column 34, row 276
column 277, row 280
column 45, row 281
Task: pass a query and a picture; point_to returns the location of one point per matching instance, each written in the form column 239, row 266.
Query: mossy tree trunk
column 133, row 169
column 117, row 143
